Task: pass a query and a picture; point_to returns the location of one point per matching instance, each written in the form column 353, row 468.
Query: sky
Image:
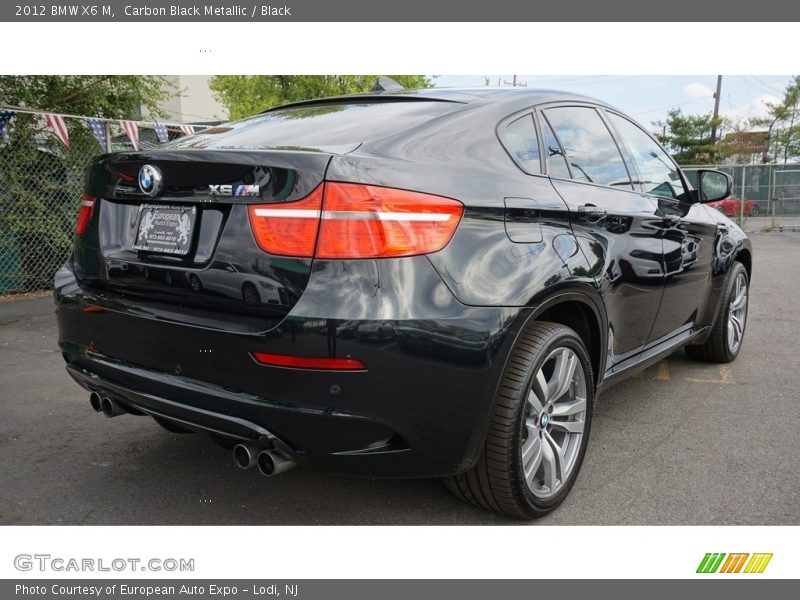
column 647, row 98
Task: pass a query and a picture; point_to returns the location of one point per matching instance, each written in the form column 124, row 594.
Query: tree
column 783, row 123
column 688, row 137
column 246, row 95
column 40, row 178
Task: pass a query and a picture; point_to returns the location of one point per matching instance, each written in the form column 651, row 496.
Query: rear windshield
column 319, row 126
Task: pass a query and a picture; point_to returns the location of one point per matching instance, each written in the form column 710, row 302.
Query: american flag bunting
column 99, row 130
column 132, row 131
column 59, row 126
column 5, row 117
column 161, row 133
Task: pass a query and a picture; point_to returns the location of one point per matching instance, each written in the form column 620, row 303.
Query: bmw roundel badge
column 150, row 180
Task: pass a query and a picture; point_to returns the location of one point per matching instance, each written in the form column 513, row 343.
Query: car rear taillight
column 84, row 213
column 368, row 221
column 288, row 229
column 356, row 221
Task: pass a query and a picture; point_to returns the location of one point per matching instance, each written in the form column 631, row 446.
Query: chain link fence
column 764, row 197
column 41, row 181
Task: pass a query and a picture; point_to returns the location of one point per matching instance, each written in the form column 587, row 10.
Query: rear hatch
column 191, row 242
column 172, row 226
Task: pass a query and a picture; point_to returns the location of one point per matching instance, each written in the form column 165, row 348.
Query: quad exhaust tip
column 272, row 463
column 96, row 402
column 245, row 456
column 269, row 462
column 110, row 407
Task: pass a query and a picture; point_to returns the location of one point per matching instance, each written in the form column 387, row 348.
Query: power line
column 766, row 85
column 644, row 112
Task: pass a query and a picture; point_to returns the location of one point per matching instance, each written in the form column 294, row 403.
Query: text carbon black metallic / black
column 405, row 284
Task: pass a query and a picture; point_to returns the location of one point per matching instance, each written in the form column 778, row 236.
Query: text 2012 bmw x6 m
column 401, row 284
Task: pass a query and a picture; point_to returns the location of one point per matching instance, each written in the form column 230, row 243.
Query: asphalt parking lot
column 684, row 443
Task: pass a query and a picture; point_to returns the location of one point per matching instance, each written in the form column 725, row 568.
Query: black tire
column 754, row 211
column 497, row 482
column 170, row 426
column 716, row 349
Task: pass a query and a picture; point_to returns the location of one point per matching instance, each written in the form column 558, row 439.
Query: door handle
column 591, row 211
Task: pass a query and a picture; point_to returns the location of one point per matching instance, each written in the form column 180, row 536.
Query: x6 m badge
column 230, row 190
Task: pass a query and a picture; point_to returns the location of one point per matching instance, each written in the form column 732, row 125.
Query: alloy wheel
column 555, row 419
column 737, row 313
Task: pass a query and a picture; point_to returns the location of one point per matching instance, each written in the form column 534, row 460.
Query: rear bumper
column 419, row 409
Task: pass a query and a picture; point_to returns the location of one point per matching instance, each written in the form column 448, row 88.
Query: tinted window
column 319, row 125
column 659, row 175
column 591, row 151
column 520, row 140
column 556, row 161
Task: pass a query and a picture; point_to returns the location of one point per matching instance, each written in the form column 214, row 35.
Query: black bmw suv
column 434, row 283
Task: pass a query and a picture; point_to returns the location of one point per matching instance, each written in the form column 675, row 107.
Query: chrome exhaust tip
column 245, row 456
column 110, row 407
column 96, row 402
column 273, row 463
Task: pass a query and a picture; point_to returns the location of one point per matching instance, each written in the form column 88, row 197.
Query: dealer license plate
column 165, row 229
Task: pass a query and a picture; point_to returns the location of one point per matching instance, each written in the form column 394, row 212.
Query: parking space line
column 725, row 377
column 663, row 371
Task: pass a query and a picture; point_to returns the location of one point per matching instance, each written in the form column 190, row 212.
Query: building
column 745, row 147
column 192, row 101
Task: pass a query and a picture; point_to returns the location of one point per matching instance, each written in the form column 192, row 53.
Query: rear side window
column 320, row 125
column 591, row 151
column 519, row 138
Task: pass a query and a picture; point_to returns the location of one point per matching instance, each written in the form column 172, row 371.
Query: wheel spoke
column 550, row 467
column 737, row 326
column 563, row 409
column 564, row 371
column 540, row 389
column 531, row 457
column 553, row 457
column 535, row 402
column 568, row 426
column 740, row 299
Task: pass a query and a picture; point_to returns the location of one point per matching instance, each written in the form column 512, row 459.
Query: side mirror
column 713, row 185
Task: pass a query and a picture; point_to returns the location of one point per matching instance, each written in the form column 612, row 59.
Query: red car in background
column 731, row 207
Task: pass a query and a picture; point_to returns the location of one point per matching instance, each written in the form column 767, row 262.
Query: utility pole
column 716, row 110
column 514, row 83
